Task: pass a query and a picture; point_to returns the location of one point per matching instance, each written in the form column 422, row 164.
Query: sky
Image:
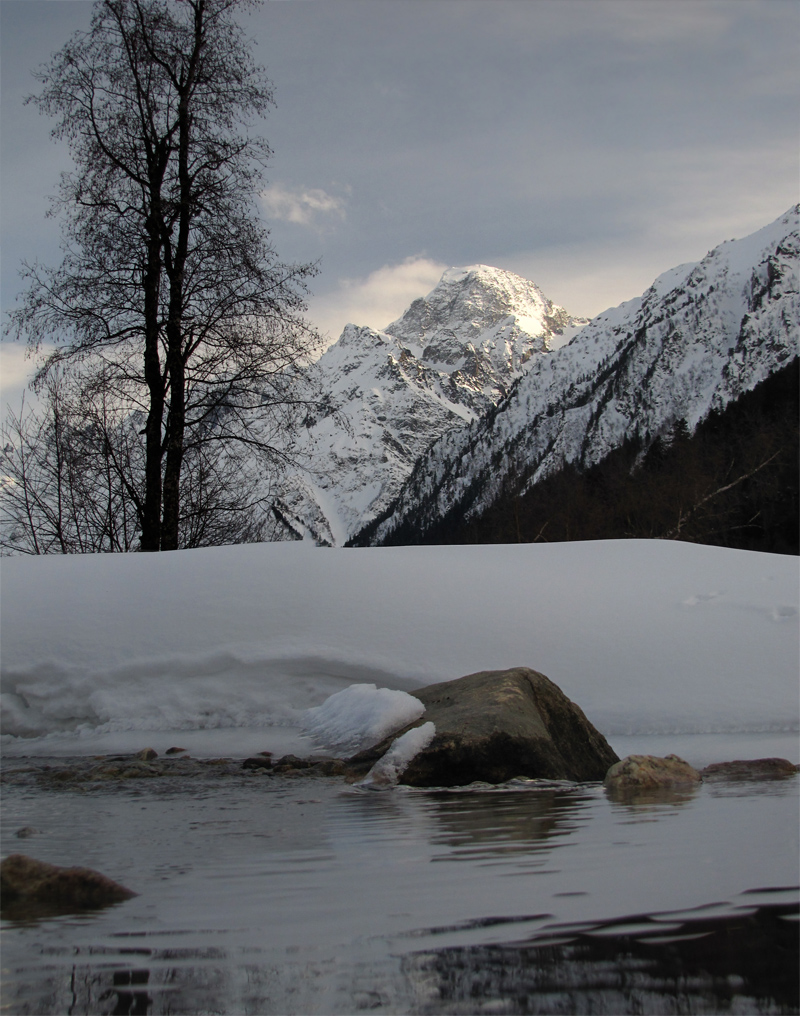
column 588, row 145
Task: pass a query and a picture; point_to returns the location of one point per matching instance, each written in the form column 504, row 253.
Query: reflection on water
column 278, row 895
column 481, row 823
column 742, row 963
column 637, row 799
column 511, row 823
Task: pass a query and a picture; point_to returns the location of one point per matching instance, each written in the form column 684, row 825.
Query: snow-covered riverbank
column 279, row 894
column 216, row 649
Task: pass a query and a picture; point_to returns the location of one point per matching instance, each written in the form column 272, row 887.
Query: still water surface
column 266, row 894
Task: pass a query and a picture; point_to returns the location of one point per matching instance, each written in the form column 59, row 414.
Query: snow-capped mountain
column 698, row 338
column 452, row 356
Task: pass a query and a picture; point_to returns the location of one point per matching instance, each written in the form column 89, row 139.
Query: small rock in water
column 25, row 832
column 749, row 770
column 314, row 765
column 131, row 770
column 146, row 754
column 289, row 763
column 257, row 762
column 24, row 879
column 649, row 772
column 174, row 751
column 330, row 767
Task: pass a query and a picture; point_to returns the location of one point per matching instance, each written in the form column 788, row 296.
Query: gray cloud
column 588, row 144
column 303, row 206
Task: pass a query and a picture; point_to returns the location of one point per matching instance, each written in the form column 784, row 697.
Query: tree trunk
column 176, row 367
column 171, row 494
column 151, row 510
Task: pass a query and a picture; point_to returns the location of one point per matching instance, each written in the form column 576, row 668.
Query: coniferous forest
column 732, row 483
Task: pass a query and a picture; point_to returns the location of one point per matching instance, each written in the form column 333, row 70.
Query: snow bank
column 360, row 716
column 389, row 768
column 646, row 636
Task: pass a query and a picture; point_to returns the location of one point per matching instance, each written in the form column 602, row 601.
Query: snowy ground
column 222, row 650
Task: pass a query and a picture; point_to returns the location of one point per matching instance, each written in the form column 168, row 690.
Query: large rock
column 495, row 725
column 26, row 880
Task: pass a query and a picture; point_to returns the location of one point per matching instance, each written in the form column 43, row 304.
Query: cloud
column 304, row 207
column 16, row 371
column 378, row 299
column 16, row 365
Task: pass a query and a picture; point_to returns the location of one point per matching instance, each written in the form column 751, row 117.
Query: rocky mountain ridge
column 699, row 337
column 450, row 358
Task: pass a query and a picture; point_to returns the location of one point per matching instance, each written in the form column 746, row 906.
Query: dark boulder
column 495, row 725
column 25, row 880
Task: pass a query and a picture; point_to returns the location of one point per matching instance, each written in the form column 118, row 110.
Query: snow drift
column 645, row 636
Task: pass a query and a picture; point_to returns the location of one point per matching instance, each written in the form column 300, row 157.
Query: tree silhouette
column 170, row 303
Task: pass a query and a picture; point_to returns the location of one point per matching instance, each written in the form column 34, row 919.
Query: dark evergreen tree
column 734, row 482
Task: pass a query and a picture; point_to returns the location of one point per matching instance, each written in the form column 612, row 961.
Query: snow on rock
column 391, row 766
column 699, row 337
column 453, row 355
column 360, row 716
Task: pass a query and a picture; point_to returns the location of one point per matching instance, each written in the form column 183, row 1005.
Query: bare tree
column 61, row 489
column 170, row 302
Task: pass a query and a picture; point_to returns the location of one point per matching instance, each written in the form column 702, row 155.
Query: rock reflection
column 476, row 824
column 640, row 797
column 32, row 912
column 480, row 826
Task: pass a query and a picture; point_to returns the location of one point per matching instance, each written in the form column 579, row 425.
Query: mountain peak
column 469, row 305
column 454, row 354
column 486, row 275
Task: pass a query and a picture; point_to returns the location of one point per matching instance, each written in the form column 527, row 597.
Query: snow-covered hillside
column 445, row 362
column 699, row 337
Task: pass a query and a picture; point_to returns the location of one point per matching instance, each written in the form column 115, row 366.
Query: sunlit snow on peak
column 452, row 356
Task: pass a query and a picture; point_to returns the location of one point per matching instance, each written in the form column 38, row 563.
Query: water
column 262, row 894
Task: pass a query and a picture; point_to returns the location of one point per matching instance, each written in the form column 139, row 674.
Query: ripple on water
column 290, row 895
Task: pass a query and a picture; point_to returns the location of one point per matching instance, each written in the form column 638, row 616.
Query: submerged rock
column 314, row 765
column 131, row 770
column 23, row 879
column 749, row 770
column 649, row 772
column 495, row 725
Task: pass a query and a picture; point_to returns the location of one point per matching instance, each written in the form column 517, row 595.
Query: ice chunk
column 388, row 769
column 360, row 716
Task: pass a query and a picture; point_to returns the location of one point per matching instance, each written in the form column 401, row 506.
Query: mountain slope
column 734, row 483
column 451, row 357
column 701, row 335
